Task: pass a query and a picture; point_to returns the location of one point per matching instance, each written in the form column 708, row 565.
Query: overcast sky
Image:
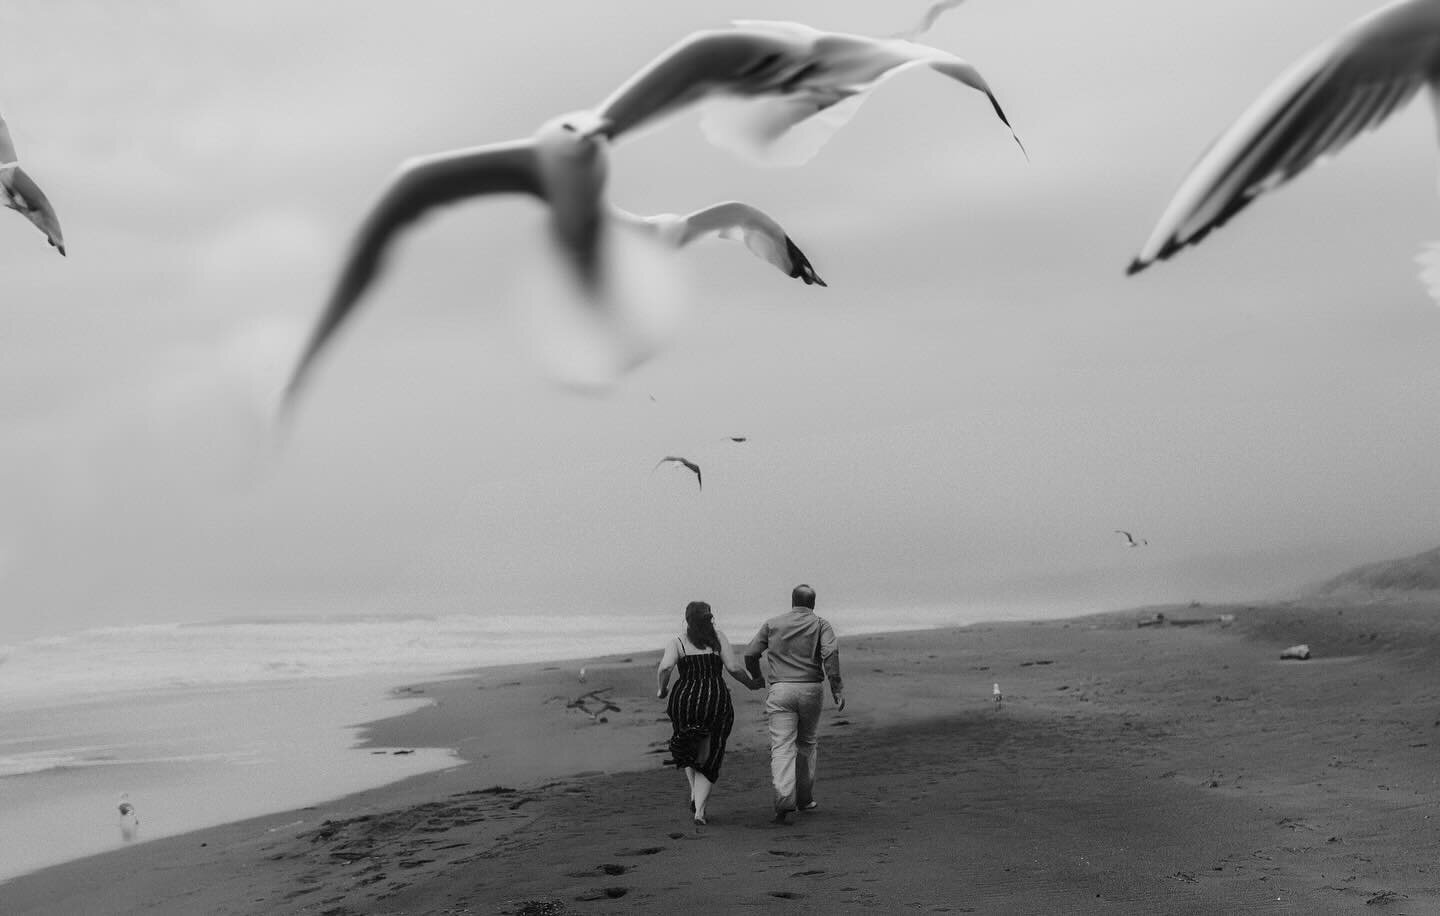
column 962, row 418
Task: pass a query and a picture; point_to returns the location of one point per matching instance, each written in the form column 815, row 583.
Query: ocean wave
column 152, row 656
column 29, row 764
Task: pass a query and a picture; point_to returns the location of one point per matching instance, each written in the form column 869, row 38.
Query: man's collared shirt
column 802, row 646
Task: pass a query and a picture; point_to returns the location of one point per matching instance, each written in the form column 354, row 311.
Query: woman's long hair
column 700, row 626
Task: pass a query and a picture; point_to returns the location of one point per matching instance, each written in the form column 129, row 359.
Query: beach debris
column 1386, row 897
column 997, row 696
column 584, row 701
column 1297, row 653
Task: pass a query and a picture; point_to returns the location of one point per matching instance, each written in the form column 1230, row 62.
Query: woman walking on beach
column 701, row 714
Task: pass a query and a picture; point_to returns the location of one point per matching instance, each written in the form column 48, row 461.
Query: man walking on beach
column 803, row 653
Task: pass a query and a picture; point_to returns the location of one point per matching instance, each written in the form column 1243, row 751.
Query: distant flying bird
column 1130, row 539
column 730, row 220
column 1348, row 85
column 676, row 459
column 927, row 21
column 738, row 438
column 20, row 193
column 785, row 88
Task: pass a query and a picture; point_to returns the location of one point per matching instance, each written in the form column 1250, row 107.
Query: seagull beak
column 599, row 128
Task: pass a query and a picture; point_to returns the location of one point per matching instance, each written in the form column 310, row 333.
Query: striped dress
column 699, row 706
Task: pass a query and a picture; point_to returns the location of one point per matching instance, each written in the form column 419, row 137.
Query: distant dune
column 1420, row 573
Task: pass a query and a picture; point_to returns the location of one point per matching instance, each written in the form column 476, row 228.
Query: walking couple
column 802, row 653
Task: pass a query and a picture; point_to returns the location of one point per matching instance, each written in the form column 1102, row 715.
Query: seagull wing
column 1429, row 261
column 27, row 198
column 699, row 481
column 8, row 155
column 820, row 90
column 785, row 81
column 676, row 459
column 699, row 65
column 1348, row 85
column 420, row 186
column 927, row 21
column 761, row 234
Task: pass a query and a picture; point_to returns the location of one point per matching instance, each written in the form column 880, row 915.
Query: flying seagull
column 787, row 74
column 780, row 89
column 676, row 459
column 20, row 193
column 1348, row 85
column 730, row 220
column 1130, row 539
column 738, row 438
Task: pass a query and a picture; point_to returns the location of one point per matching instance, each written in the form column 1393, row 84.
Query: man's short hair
column 803, row 596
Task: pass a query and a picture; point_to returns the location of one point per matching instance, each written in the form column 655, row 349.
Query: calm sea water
column 198, row 725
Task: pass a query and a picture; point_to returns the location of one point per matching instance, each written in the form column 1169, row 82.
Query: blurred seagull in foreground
column 676, row 459
column 730, row 220
column 1130, row 539
column 779, row 90
column 1348, row 85
column 797, row 84
column 614, row 261
column 927, row 21
column 21, row 194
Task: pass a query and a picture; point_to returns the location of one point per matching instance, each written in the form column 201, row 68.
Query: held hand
column 839, row 700
column 662, row 693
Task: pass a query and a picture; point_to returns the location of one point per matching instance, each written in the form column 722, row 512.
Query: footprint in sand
column 783, row 852
column 786, row 895
column 808, row 873
column 609, row 868
column 642, row 851
column 604, row 893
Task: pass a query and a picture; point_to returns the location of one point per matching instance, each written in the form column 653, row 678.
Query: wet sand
column 1180, row 767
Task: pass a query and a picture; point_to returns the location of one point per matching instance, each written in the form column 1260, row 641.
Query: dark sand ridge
column 1158, row 769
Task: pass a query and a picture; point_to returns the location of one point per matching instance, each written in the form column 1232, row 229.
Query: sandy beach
column 1175, row 767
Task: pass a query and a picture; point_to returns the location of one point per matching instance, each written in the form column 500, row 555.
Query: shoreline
column 1098, row 714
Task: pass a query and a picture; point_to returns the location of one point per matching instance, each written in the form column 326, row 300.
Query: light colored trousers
column 793, row 711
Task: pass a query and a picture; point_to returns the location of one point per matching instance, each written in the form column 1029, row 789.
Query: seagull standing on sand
column 1348, row 85
column 129, row 820
column 1130, row 539
column 20, row 193
column 676, row 459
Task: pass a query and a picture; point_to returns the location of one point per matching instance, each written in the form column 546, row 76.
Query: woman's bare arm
column 735, row 666
column 662, row 673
